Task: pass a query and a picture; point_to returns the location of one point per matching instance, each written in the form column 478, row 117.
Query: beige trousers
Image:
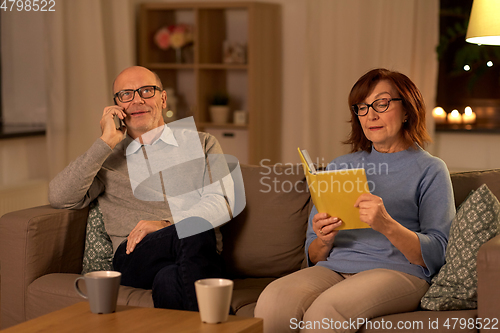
column 317, row 299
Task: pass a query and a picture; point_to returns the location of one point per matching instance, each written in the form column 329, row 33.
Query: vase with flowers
column 176, row 36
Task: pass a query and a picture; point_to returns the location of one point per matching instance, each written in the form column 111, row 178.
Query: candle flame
column 438, row 111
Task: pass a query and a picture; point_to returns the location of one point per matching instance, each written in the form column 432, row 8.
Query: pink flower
column 162, row 38
column 175, row 36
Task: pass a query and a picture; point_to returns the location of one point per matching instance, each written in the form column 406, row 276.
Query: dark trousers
column 170, row 266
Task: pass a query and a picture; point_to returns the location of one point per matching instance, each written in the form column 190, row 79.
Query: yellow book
column 334, row 192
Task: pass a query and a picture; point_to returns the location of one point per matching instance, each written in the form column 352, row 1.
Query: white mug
column 102, row 290
column 214, row 299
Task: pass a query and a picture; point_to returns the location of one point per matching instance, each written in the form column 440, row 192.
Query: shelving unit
column 254, row 86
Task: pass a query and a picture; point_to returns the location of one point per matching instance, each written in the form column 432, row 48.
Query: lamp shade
column 484, row 23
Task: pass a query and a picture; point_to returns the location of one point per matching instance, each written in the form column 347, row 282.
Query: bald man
column 148, row 250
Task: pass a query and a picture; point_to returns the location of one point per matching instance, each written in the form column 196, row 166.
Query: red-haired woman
column 385, row 269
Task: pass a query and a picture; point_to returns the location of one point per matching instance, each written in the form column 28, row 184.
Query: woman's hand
column 372, row 212
column 141, row 230
column 324, row 226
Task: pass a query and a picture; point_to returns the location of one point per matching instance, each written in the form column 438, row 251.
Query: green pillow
column 476, row 222
column 98, row 254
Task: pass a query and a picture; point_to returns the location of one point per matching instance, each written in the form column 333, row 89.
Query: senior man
column 127, row 169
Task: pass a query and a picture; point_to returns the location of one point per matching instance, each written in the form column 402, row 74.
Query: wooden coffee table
column 78, row 318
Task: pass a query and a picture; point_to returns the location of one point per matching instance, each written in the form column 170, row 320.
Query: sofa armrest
column 488, row 279
column 35, row 242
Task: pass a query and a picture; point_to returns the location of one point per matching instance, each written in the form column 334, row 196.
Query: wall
column 23, row 173
column 23, row 161
column 468, row 151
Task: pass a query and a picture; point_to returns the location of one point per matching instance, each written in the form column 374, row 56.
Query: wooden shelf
column 254, row 86
column 221, row 126
column 167, row 65
column 223, row 66
column 481, row 127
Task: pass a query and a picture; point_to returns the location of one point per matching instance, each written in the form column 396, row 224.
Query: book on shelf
column 335, row 191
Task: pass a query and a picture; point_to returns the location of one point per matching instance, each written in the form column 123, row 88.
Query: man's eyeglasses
column 128, row 95
column 379, row 105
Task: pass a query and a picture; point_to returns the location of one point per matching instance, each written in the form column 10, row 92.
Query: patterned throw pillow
column 476, row 222
column 98, row 255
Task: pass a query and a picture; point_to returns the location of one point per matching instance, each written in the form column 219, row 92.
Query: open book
column 335, row 191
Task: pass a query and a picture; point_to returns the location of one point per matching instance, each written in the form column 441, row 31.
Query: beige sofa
column 41, row 250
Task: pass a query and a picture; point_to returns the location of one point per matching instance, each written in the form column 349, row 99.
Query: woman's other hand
column 372, row 211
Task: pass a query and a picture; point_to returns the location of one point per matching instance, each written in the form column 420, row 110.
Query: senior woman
column 356, row 275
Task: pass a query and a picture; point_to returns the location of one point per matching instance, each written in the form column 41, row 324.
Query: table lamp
column 484, row 23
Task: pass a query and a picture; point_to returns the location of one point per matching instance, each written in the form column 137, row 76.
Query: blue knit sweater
column 416, row 190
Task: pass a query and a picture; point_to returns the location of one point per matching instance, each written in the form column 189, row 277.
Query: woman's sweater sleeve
column 436, row 212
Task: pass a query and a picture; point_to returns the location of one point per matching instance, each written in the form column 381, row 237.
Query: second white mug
column 214, row 299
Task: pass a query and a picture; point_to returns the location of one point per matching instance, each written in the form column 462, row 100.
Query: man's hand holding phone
column 111, row 133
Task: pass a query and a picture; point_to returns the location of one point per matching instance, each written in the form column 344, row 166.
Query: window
column 22, row 75
column 468, row 73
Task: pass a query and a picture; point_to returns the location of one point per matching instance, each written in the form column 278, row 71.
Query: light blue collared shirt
column 166, row 136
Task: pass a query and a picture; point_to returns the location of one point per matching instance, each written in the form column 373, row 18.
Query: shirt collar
column 166, row 136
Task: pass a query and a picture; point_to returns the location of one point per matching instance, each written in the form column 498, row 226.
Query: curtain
column 345, row 39
column 88, row 43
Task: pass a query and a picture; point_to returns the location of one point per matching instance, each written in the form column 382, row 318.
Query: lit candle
column 469, row 116
column 454, row 117
column 439, row 115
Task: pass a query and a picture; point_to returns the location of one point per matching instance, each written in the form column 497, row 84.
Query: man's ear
column 163, row 99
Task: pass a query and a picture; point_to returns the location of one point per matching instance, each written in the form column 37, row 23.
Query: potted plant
column 219, row 108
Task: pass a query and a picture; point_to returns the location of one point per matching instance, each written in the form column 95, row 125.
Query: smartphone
column 119, row 124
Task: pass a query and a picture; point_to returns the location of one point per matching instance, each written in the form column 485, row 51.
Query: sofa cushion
column 245, row 294
column 476, row 222
column 464, row 182
column 51, row 292
column 98, row 254
column 267, row 238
